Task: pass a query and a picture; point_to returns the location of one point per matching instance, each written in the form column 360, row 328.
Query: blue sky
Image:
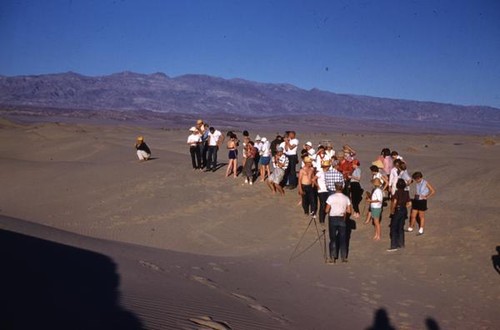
column 443, row 51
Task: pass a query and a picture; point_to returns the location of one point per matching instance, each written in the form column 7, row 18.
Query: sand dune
column 188, row 250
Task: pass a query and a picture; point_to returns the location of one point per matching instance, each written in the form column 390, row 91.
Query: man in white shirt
column 290, row 145
column 338, row 207
column 215, row 138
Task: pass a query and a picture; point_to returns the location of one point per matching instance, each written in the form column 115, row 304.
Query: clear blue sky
column 443, row 51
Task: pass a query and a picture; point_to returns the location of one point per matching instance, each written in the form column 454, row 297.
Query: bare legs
column 417, row 216
column 232, row 166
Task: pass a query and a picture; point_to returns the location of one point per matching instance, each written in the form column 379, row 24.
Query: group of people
column 328, row 181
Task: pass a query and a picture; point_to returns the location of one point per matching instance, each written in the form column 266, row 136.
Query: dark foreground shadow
column 381, row 321
column 46, row 285
column 496, row 260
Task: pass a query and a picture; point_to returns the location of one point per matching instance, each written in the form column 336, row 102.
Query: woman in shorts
column 376, row 199
column 232, row 146
column 419, row 204
column 265, row 159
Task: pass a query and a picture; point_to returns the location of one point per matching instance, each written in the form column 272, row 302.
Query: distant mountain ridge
column 201, row 95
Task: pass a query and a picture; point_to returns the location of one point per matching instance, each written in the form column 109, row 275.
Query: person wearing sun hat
column 143, row 151
column 194, row 142
column 323, row 192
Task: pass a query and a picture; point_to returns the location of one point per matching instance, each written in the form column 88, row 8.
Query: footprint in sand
column 205, row 281
column 150, row 266
column 207, row 321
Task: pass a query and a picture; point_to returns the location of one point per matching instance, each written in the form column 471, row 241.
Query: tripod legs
column 318, row 239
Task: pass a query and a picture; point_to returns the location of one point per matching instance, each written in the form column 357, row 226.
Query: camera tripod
column 319, row 236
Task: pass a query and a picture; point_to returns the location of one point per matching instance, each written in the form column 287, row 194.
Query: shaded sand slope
column 85, row 179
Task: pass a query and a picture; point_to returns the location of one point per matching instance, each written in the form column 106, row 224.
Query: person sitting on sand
column 194, row 142
column 307, row 187
column 143, row 151
column 338, row 207
column 376, row 199
column 419, row 204
column 280, row 163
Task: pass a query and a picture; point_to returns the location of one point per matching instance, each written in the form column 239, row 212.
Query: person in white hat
column 194, row 142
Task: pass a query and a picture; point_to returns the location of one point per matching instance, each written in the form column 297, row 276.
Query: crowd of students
column 323, row 174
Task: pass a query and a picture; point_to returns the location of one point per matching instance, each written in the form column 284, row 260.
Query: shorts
column 264, row 160
column 277, row 175
column 233, row 154
column 376, row 212
column 419, row 204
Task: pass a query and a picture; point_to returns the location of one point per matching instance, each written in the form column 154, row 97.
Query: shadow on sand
column 496, row 260
column 381, row 321
column 46, row 285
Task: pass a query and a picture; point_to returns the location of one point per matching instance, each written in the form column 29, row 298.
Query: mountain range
column 202, row 95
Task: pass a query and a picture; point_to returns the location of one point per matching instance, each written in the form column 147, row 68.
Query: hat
column 264, row 139
column 279, row 149
column 376, row 182
column 192, row 129
column 307, row 160
column 257, row 138
column 378, row 163
column 309, row 143
column 140, row 138
column 326, row 163
column 199, row 121
column 355, row 161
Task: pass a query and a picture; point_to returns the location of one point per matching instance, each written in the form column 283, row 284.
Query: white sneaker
column 251, row 182
column 420, row 231
column 246, row 180
column 409, row 229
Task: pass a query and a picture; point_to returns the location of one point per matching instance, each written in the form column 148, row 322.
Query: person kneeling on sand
column 143, row 151
column 280, row 162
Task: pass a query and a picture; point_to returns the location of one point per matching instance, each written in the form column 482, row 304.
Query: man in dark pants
column 290, row 145
column 215, row 139
column 338, row 207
